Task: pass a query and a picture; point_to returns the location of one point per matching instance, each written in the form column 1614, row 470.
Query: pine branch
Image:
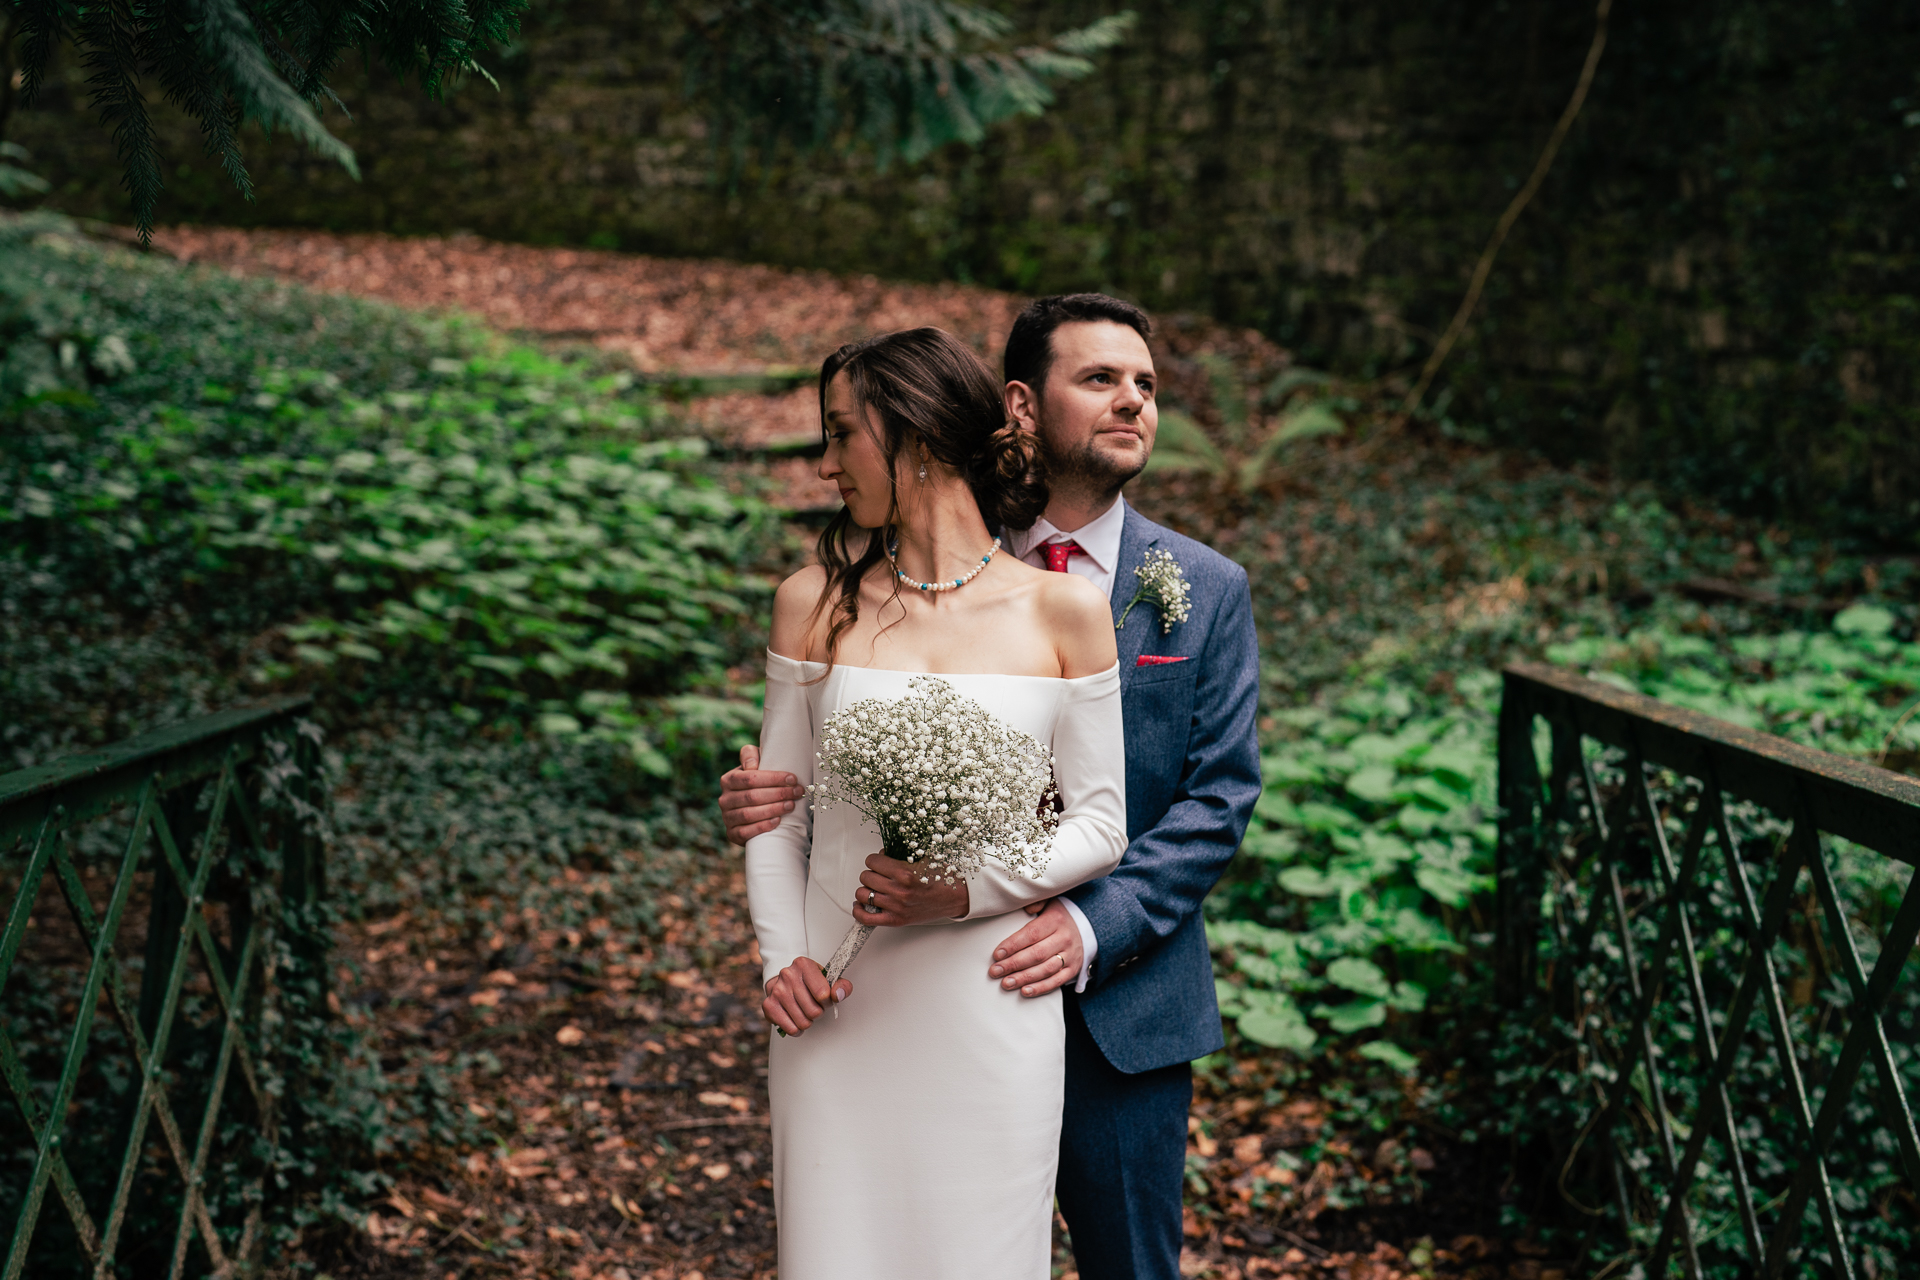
column 230, row 45
column 112, row 45
column 43, row 23
column 9, row 32
column 905, row 76
column 188, row 83
column 316, row 38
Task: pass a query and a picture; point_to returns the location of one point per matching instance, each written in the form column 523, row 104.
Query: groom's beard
column 1086, row 471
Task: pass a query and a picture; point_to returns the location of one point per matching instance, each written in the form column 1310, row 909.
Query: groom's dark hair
column 1029, row 352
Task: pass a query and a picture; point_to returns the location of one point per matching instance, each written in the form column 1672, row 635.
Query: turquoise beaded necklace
column 952, row 584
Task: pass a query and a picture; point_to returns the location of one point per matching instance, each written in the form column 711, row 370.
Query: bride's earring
column 923, row 473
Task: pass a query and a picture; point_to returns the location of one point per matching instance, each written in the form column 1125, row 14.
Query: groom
column 1133, row 947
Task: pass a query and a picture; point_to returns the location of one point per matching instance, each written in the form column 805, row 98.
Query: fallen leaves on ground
column 664, row 313
column 620, row 1084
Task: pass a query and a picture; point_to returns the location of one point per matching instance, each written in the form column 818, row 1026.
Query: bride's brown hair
column 926, row 389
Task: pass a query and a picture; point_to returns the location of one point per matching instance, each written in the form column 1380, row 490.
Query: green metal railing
column 1682, row 867
column 219, row 837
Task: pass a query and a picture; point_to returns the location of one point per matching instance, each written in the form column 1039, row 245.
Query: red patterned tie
column 1058, row 554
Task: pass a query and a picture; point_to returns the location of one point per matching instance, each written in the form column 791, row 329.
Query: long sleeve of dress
column 777, row 860
column 1090, row 764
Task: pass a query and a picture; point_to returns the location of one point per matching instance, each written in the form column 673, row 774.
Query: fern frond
column 1291, row 380
column 1315, row 419
column 15, row 181
column 1229, row 395
column 1181, row 444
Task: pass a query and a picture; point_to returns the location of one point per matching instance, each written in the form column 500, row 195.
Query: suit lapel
column 1137, row 534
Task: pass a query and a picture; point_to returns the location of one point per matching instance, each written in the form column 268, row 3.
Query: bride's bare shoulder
column 794, row 612
column 1081, row 620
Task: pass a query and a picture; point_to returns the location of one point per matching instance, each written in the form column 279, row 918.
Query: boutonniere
column 1163, row 586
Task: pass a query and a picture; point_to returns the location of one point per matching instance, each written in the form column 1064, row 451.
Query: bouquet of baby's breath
column 948, row 785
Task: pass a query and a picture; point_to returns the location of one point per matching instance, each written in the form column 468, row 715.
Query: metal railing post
column 199, row 835
column 1517, row 872
column 1660, row 964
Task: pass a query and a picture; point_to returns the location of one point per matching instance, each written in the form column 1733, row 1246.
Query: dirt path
column 667, row 316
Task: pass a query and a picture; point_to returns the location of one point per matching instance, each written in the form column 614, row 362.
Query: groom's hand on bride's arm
column 890, row 894
column 1045, row 955
column 753, row 800
column 799, row 994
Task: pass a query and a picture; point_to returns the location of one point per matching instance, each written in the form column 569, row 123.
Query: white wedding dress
column 917, row 1133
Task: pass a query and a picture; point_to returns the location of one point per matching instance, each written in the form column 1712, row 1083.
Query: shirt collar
column 1099, row 537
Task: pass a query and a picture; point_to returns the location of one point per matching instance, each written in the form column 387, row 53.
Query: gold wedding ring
column 1062, row 958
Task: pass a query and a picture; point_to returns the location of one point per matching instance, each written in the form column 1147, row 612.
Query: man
column 1140, row 1006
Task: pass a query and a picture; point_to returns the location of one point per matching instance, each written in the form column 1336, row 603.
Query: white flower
column 944, row 781
column 1163, row 586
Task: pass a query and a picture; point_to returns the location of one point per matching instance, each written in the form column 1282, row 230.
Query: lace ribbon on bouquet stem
column 844, row 953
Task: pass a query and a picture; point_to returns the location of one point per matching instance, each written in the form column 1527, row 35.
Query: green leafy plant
column 521, row 593
column 15, row 181
column 487, row 527
column 1373, row 835
column 1852, row 690
column 1244, row 453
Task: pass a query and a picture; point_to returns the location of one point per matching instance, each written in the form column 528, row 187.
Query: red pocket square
column 1155, row 660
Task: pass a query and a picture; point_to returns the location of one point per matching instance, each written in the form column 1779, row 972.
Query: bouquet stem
column 843, row 955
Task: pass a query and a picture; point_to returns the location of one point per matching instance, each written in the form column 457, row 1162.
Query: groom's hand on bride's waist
column 1046, row 954
column 754, row 800
column 890, row 893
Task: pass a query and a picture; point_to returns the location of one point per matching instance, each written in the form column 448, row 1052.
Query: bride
column 916, row 1125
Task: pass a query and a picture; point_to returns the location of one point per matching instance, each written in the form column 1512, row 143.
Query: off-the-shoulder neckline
column 979, row 675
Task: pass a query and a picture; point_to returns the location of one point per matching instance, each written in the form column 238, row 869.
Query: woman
column 916, row 1127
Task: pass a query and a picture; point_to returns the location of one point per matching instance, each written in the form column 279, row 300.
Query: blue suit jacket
column 1193, row 774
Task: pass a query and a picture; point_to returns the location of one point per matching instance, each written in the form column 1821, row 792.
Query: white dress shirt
column 1099, row 538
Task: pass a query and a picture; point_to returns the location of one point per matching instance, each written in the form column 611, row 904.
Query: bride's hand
column 799, row 994
column 894, row 888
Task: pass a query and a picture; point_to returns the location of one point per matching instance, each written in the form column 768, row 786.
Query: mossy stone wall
column 1716, row 286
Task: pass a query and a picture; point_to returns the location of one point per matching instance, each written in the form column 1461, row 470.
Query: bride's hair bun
column 929, row 390
column 1009, row 479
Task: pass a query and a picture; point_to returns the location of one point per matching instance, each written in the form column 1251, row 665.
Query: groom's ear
column 1023, row 406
